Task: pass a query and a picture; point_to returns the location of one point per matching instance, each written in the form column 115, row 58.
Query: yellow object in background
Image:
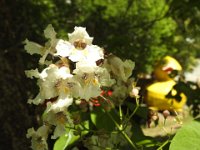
column 164, row 67
column 156, row 96
column 156, row 93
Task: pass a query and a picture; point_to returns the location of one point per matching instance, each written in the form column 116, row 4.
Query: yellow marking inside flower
column 95, row 81
column 90, row 79
column 61, row 86
column 66, row 90
column 85, row 52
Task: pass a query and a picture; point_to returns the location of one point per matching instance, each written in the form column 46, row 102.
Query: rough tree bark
column 15, row 114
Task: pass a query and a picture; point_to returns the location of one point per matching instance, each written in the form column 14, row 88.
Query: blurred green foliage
column 143, row 30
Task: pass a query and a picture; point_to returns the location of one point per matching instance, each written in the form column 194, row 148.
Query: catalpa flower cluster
column 72, row 75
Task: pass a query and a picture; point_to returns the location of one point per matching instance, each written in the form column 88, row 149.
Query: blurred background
column 141, row 30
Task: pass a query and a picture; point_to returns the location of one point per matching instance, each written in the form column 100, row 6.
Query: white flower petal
column 80, row 33
column 32, row 73
column 49, row 32
column 77, row 55
column 85, row 66
column 37, row 100
column 63, row 48
column 59, row 131
column 89, row 91
column 64, row 72
column 33, row 48
column 63, row 102
column 94, row 53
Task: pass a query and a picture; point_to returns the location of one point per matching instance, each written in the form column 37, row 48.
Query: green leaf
column 49, row 32
column 66, row 140
column 137, row 134
column 101, row 119
column 32, row 47
column 69, row 138
column 188, row 137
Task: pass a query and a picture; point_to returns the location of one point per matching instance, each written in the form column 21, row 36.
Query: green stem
column 129, row 140
column 122, row 132
column 134, row 111
column 120, row 127
column 178, row 118
column 165, row 143
column 120, row 117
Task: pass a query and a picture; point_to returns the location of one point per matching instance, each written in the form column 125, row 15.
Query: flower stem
column 165, row 143
column 134, row 111
column 129, row 140
column 122, row 132
column 120, row 117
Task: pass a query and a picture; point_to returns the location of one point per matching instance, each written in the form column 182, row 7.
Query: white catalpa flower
column 55, row 115
column 39, row 137
column 87, row 76
column 104, row 77
column 120, row 69
column 58, row 120
column 48, row 79
column 90, row 53
column 79, row 47
column 100, row 73
column 49, row 48
column 91, row 77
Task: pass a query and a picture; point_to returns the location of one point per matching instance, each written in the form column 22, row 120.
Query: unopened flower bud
column 166, row 113
column 155, row 117
column 134, row 92
column 78, row 102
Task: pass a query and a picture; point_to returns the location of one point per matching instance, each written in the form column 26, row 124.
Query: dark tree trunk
column 15, row 113
column 16, row 116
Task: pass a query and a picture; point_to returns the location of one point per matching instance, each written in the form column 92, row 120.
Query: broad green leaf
column 101, row 119
column 64, row 141
column 49, row 32
column 137, row 134
column 188, row 137
column 33, row 48
column 69, row 138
